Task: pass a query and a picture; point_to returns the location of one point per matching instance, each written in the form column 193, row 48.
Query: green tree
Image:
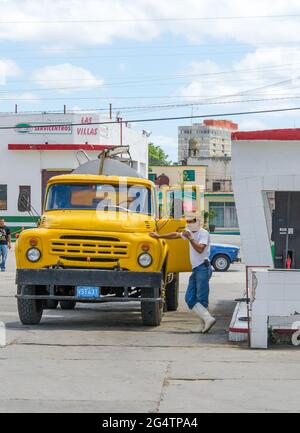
column 157, row 156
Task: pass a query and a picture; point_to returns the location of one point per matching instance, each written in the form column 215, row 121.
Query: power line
column 127, row 84
column 195, row 104
column 141, row 20
column 151, row 77
column 208, row 98
column 163, row 119
column 100, row 98
column 139, row 55
column 134, row 83
column 290, row 44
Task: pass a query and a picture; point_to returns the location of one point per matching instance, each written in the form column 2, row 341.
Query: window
column 3, row 197
column 226, row 216
column 152, row 177
column 100, row 197
column 189, row 175
column 25, row 193
column 216, row 186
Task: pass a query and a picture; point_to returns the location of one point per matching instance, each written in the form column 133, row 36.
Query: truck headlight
column 33, row 255
column 145, row 260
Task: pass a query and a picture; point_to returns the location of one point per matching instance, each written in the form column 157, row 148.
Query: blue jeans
column 198, row 288
column 3, row 256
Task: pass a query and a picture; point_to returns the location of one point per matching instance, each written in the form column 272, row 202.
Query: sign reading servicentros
column 44, row 128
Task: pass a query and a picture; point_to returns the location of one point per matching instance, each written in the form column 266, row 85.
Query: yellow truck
column 92, row 245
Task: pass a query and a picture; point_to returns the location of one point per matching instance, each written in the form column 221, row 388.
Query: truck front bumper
column 87, row 277
column 237, row 260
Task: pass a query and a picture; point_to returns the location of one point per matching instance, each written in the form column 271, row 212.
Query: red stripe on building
column 272, row 134
column 95, row 147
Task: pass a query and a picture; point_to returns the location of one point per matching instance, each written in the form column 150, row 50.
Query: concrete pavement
column 100, row 358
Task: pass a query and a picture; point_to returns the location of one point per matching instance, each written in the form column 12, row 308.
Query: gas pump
column 286, row 230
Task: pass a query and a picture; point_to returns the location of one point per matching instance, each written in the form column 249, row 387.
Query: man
column 5, row 243
column 197, row 294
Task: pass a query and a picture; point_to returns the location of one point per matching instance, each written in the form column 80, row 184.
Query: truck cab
column 93, row 245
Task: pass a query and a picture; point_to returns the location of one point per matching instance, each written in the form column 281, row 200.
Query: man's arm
column 197, row 246
column 166, row 236
column 9, row 239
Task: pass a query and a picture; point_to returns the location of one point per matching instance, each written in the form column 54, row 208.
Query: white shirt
column 201, row 237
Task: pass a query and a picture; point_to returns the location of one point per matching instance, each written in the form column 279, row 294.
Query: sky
column 152, row 59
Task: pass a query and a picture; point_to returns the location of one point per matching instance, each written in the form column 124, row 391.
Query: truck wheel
column 172, row 294
column 151, row 311
column 221, row 263
column 50, row 305
column 67, row 305
column 30, row 311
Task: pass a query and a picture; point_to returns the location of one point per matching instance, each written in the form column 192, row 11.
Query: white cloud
column 252, row 125
column 122, row 67
column 20, row 98
column 66, row 77
column 168, row 144
column 244, row 30
column 262, row 79
column 8, row 68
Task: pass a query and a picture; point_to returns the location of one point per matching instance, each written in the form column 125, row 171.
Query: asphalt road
column 100, row 358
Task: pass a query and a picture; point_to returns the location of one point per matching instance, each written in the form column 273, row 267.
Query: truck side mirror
column 24, row 201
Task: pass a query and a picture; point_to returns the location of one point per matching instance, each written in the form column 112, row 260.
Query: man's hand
column 9, row 246
column 187, row 234
column 154, row 235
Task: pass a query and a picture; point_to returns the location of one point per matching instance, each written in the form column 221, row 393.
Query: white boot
column 203, row 313
column 198, row 329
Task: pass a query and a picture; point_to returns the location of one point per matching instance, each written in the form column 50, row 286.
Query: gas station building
column 34, row 147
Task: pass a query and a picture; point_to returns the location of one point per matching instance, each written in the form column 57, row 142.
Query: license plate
column 87, row 292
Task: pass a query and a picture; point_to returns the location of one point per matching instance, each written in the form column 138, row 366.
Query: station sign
column 52, row 128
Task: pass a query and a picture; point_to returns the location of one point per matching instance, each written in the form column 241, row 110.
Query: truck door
column 46, row 175
column 175, row 203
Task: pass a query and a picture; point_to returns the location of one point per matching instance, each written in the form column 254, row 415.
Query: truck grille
column 89, row 248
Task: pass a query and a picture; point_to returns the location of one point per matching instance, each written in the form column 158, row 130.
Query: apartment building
column 212, row 138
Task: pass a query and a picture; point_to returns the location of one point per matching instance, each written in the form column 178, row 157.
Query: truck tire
column 30, row 311
column 172, row 294
column 67, row 305
column 152, row 312
column 221, row 263
column 50, row 305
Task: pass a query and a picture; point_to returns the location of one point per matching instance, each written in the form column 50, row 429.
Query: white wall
column 259, row 166
column 217, row 169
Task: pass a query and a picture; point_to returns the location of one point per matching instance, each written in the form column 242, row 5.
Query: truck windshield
column 101, row 197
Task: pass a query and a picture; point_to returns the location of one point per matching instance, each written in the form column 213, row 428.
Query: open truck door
column 175, row 204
